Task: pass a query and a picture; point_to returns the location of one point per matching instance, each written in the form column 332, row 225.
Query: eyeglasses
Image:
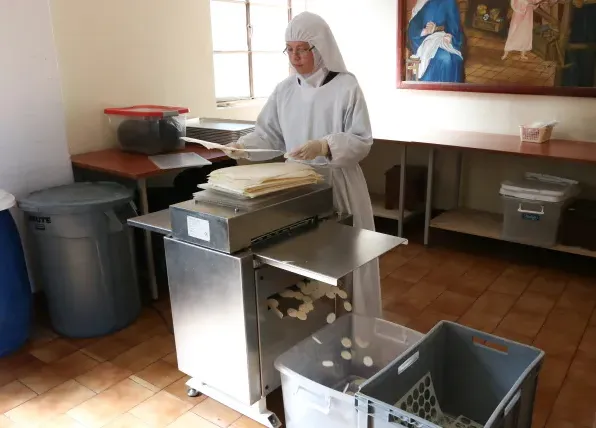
column 299, row 52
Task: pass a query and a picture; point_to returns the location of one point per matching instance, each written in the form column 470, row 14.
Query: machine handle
column 323, row 409
column 521, row 210
column 406, row 364
column 394, row 417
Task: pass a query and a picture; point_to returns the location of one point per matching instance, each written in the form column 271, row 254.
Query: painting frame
column 402, row 83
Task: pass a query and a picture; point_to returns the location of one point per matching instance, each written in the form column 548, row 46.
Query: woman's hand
column 429, row 29
column 448, row 39
column 310, row 150
column 235, row 154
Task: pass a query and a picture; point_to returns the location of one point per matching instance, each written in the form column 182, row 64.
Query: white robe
column 296, row 113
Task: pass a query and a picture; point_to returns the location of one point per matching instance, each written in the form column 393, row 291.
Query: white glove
column 311, row 150
column 234, row 154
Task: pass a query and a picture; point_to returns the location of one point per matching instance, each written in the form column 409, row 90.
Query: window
column 248, row 44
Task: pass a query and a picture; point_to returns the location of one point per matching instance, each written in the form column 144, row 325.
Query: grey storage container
column 476, row 376
column 531, row 222
column 532, row 209
column 84, row 256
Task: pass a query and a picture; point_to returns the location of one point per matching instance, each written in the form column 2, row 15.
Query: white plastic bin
column 532, row 208
column 314, row 394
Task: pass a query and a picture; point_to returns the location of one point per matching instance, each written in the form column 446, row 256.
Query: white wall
column 366, row 33
column 33, row 150
column 32, row 134
column 119, row 53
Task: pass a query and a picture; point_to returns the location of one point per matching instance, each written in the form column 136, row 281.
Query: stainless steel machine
column 228, row 258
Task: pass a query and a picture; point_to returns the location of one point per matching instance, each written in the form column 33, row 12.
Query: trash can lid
column 7, row 201
column 76, row 198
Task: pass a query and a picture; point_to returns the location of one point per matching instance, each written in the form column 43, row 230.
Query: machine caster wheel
column 191, row 392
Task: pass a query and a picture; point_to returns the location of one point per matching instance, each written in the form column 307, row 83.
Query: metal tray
column 328, row 252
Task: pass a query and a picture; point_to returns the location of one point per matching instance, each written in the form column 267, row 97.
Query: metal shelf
column 488, row 225
column 379, row 210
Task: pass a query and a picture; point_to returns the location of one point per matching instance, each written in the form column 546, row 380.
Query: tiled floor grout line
column 586, row 328
column 552, row 407
column 528, row 284
column 162, row 320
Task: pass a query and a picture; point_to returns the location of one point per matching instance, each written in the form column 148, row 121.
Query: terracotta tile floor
column 130, row 379
column 126, row 380
column 551, row 309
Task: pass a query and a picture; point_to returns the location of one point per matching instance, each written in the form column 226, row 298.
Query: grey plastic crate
column 483, row 377
column 531, row 222
column 83, row 254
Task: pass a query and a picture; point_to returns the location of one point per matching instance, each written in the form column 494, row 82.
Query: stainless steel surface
column 231, row 229
column 429, row 195
column 328, row 252
column 213, row 298
column 220, row 124
column 276, row 335
column 257, row 411
column 142, row 185
column 158, row 222
column 402, row 190
column 179, row 160
column 227, row 339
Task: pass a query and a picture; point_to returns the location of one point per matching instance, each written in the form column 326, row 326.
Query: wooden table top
column 134, row 165
column 498, row 143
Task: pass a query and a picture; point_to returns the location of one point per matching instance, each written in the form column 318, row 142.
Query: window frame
column 224, row 102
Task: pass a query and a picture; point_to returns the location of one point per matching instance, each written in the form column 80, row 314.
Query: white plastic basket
column 536, row 134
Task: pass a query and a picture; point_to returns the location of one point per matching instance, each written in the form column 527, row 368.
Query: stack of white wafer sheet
column 251, row 181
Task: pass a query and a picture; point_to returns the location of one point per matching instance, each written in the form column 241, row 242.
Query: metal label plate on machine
column 314, row 253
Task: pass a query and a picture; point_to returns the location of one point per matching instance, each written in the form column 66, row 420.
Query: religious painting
column 500, row 46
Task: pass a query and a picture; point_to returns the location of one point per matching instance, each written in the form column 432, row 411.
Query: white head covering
column 311, row 28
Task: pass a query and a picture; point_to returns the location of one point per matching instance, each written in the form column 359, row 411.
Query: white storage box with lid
column 149, row 129
column 532, row 208
column 320, row 395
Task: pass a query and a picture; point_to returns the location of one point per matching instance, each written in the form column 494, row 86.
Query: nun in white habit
column 319, row 116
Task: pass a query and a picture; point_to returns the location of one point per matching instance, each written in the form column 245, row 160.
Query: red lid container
column 147, row 111
column 148, row 129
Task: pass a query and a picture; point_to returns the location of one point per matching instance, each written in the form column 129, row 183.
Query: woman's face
column 301, row 57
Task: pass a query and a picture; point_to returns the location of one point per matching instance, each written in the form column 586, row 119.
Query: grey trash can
column 84, row 256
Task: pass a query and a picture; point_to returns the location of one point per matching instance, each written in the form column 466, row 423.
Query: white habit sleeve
column 267, row 133
column 350, row 147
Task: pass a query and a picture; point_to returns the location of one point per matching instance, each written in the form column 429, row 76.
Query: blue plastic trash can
column 15, row 290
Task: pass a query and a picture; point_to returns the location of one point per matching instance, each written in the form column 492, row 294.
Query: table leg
column 458, row 179
column 142, row 184
column 402, row 190
column 429, row 195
